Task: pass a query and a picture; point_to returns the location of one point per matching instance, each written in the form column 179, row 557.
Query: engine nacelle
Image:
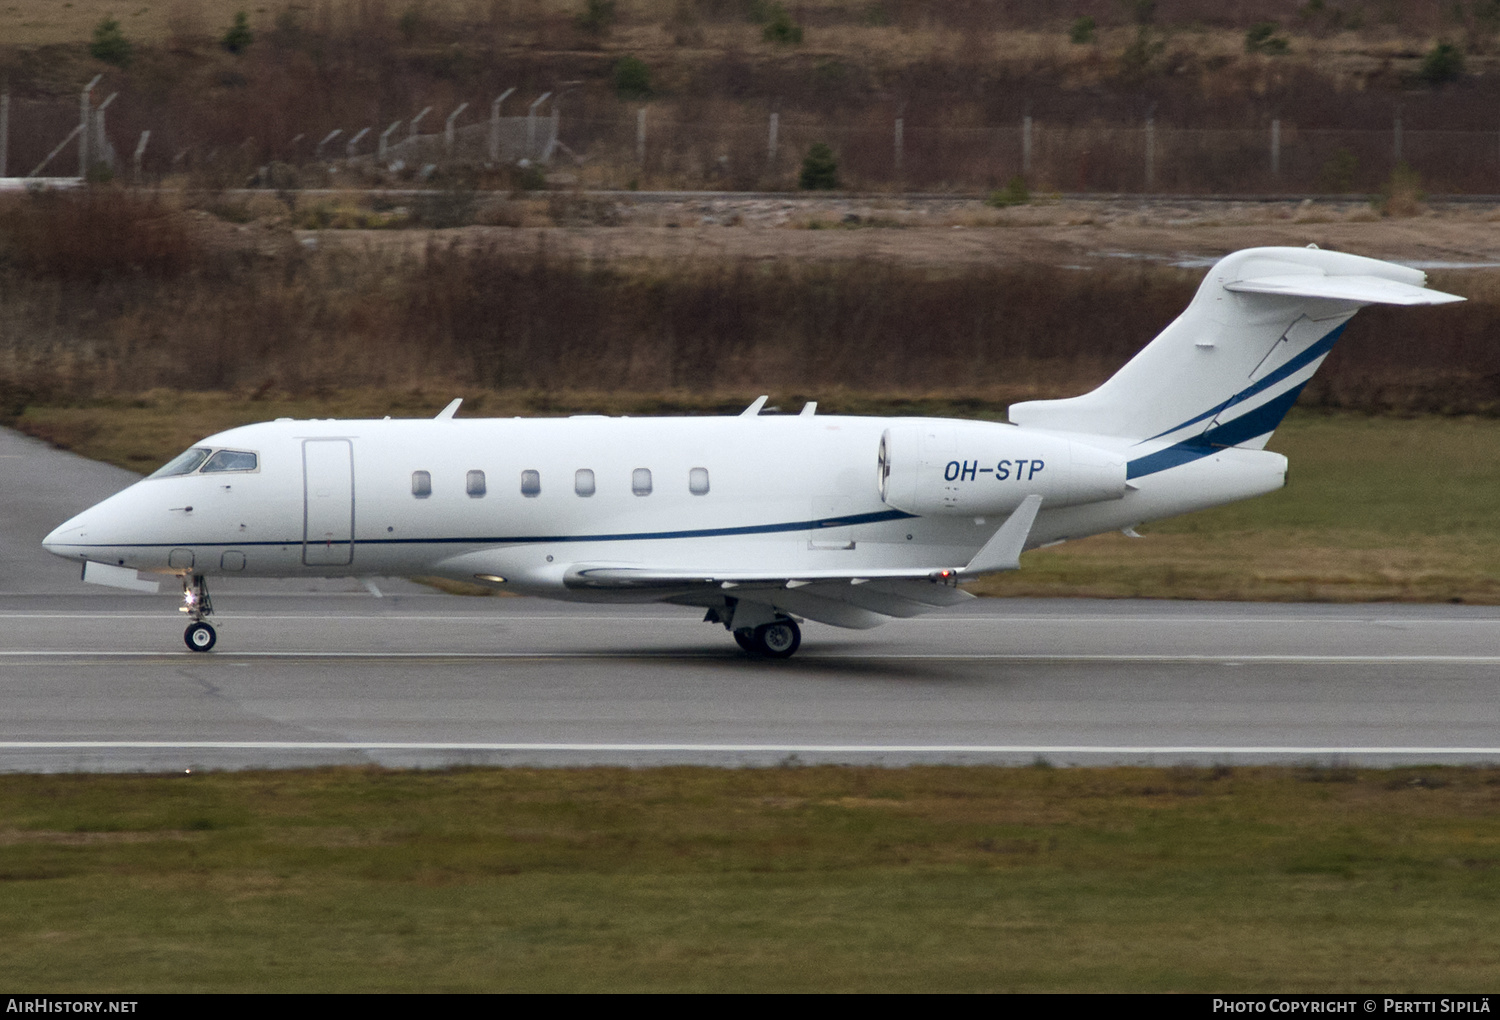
column 972, row 468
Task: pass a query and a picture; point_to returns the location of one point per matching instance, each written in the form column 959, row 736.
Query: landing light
column 492, row 578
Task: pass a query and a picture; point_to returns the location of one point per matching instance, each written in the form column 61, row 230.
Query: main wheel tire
column 746, row 640
column 778, row 640
column 199, row 637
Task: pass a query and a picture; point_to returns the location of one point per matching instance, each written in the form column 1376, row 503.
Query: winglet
column 450, row 410
column 754, row 408
column 1003, row 550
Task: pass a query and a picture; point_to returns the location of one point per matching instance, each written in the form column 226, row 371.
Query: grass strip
column 918, row 879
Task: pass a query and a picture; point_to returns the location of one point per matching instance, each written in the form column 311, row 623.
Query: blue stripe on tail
column 1283, row 373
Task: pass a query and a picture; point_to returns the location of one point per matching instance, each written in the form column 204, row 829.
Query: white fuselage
column 784, row 494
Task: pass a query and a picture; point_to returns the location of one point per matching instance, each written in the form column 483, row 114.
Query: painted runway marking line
column 667, row 617
column 1027, row 749
column 370, row 618
column 1021, row 657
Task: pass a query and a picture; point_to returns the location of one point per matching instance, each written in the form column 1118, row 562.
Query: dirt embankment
column 957, row 232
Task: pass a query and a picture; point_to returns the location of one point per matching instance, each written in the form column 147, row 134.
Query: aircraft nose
column 57, row 543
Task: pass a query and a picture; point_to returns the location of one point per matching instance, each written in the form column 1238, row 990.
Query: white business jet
column 758, row 519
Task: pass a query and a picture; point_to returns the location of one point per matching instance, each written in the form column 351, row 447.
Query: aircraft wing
column 1001, row 552
column 840, row 598
column 844, row 598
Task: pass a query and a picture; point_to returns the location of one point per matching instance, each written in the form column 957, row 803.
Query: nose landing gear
column 199, row 636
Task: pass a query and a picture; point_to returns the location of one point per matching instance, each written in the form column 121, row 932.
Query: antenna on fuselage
column 450, row 410
column 754, row 409
column 809, row 409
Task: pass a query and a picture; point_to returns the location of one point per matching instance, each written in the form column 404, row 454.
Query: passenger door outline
column 327, row 502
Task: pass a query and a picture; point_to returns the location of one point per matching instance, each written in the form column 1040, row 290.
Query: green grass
column 1375, row 509
column 781, row 879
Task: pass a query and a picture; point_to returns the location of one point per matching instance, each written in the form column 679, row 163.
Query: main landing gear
column 758, row 628
column 199, row 636
column 763, row 631
column 776, row 640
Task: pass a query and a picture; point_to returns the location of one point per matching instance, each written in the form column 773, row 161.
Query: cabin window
column 531, row 483
column 475, row 484
column 640, row 481
column 232, row 460
column 583, row 482
column 421, row 484
column 184, row 463
column 698, row 481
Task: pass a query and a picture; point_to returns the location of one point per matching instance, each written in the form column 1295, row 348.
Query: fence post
column 83, row 127
column 900, row 142
column 640, row 136
column 413, row 132
column 1275, row 146
column 5, row 133
column 385, row 137
column 1150, row 152
column 448, row 131
column 495, row 125
column 531, row 124
column 552, row 142
column 1026, row 146
column 1397, row 135
column 318, row 149
column 140, row 152
column 101, row 142
column 771, row 139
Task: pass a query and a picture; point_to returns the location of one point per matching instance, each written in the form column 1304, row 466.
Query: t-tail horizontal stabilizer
column 1003, row 550
column 1372, row 290
column 1227, row 369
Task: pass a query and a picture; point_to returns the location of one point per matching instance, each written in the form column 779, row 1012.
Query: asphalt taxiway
column 319, row 672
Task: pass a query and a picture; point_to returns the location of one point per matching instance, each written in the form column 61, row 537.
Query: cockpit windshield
column 184, row 464
column 205, row 460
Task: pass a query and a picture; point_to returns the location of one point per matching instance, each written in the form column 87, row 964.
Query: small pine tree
column 1015, row 192
column 781, row 29
column 597, row 17
column 632, row 78
column 1082, row 32
column 1443, row 63
column 820, row 169
column 1338, row 173
column 1262, row 38
column 110, row 44
column 238, row 37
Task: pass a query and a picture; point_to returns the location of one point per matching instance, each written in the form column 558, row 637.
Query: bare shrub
column 509, row 316
column 95, row 234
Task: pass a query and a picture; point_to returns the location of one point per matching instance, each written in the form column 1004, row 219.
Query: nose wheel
column 199, row 636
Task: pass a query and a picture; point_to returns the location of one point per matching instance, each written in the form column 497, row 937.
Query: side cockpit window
column 231, row 460
column 206, row 460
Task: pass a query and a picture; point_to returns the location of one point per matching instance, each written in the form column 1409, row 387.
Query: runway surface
column 324, row 672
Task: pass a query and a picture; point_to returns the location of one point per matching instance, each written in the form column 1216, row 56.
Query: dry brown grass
column 108, row 296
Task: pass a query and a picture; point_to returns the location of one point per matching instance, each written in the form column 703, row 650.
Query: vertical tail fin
column 1227, row 370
